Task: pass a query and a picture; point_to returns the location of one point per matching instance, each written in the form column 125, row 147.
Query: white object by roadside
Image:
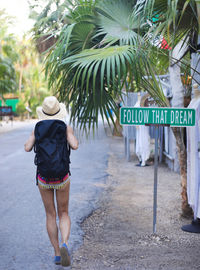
column 193, row 159
column 142, row 141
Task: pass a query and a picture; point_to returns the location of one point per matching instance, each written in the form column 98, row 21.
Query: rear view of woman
column 49, row 139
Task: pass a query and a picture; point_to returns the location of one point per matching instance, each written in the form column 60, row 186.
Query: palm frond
column 96, row 81
column 98, row 54
column 119, row 21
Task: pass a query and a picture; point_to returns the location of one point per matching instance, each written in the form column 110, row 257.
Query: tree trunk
column 2, row 100
column 20, row 78
column 117, row 130
column 182, row 156
column 178, row 101
column 195, row 64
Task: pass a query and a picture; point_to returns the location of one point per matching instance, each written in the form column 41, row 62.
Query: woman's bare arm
column 28, row 146
column 73, row 142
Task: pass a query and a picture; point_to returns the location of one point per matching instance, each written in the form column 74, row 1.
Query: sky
column 20, row 10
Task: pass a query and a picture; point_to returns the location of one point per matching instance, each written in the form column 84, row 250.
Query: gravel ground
column 118, row 235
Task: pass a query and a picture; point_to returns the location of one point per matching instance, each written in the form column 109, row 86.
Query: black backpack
column 51, row 148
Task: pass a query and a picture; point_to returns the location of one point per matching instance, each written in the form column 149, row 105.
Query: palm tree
column 7, row 76
column 99, row 52
column 7, row 56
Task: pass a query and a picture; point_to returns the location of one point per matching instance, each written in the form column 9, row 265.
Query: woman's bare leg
column 62, row 198
column 52, row 228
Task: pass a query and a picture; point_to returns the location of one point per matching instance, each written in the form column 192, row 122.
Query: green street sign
column 157, row 116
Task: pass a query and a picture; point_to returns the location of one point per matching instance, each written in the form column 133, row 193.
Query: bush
column 21, row 109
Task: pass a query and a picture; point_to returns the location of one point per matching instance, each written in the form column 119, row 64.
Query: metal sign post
column 155, row 180
column 180, row 117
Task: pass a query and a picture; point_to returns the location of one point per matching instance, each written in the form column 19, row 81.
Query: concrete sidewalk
column 118, row 235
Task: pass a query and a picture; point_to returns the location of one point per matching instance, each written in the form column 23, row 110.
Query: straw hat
column 51, row 109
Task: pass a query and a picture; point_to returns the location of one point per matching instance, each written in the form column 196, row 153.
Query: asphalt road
column 24, row 243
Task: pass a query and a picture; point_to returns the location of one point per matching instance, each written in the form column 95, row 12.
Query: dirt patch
column 119, row 235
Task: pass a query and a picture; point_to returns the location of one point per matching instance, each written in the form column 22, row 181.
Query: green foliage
column 47, row 20
column 120, row 21
column 176, row 19
column 32, row 85
column 7, row 56
column 20, row 108
column 35, row 99
column 7, row 76
column 31, row 99
column 7, row 41
column 58, row 13
column 103, row 48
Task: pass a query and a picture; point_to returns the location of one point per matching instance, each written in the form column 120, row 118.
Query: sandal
column 57, row 259
column 65, row 257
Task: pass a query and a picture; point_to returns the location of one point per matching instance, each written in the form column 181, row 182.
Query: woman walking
column 49, row 184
